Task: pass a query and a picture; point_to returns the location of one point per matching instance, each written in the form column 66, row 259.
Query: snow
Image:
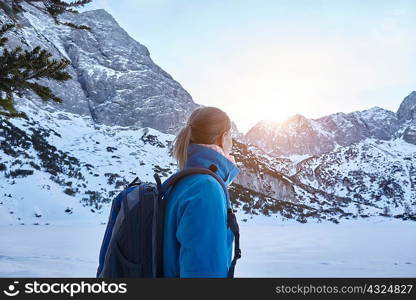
column 43, row 203
column 366, row 248
column 21, row 198
column 49, row 251
column 297, row 158
column 383, row 164
column 43, row 28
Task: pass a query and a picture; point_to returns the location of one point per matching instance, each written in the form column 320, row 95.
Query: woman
column 197, row 241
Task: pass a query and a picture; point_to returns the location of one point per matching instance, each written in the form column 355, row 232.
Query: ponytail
column 204, row 125
column 181, row 142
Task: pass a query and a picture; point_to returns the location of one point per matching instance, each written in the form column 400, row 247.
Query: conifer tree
column 21, row 70
column 52, row 7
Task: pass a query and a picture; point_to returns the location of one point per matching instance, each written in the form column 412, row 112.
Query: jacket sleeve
column 202, row 231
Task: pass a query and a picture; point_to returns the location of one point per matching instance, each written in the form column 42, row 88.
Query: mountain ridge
column 323, row 134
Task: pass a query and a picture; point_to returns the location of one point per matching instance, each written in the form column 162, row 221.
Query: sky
column 268, row 60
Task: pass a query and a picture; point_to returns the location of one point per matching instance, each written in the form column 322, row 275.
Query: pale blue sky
column 267, row 60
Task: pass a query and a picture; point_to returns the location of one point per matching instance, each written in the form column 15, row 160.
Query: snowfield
column 379, row 247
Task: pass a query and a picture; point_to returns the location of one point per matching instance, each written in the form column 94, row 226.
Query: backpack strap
column 173, row 180
column 231, row 218
column 128, row 222
column 232, row 223
column 136, row 181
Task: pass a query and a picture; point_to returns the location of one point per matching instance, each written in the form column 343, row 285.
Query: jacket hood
column 203, row 157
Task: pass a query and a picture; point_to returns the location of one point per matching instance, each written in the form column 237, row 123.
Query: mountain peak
column 407, row 109
column 295, row 118
column 374, row 108
column 98, row 11
column 114, row 80
column 266, row 123
column 100, row 14
column 375, row 112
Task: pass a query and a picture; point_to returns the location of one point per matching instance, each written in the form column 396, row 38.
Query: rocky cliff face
column 114, row 79
column 407, row 114
column 407, row 109
column 409, row 134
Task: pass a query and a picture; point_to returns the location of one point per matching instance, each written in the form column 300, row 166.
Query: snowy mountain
column 302, row 136
column 365, row 158
column 114, row 79
column 59, row 166
column 65, row 163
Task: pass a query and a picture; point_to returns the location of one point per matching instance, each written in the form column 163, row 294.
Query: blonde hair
column 204, row 126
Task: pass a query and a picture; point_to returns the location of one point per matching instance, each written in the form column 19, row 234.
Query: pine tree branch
column 20, row 70
column 54, row 8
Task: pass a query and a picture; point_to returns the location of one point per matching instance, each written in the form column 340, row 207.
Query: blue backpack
column 133, row 241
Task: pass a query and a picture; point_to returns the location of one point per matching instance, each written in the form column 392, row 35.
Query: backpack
column 133, row 240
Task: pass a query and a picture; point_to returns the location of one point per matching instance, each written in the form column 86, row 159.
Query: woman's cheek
column 228, row 146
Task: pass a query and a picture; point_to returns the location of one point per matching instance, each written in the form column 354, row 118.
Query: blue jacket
column 197, row 241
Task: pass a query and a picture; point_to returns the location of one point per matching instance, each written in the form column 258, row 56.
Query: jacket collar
column 201, row 156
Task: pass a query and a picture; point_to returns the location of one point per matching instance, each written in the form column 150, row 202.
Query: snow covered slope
column 54, row 164
column 358, row 181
